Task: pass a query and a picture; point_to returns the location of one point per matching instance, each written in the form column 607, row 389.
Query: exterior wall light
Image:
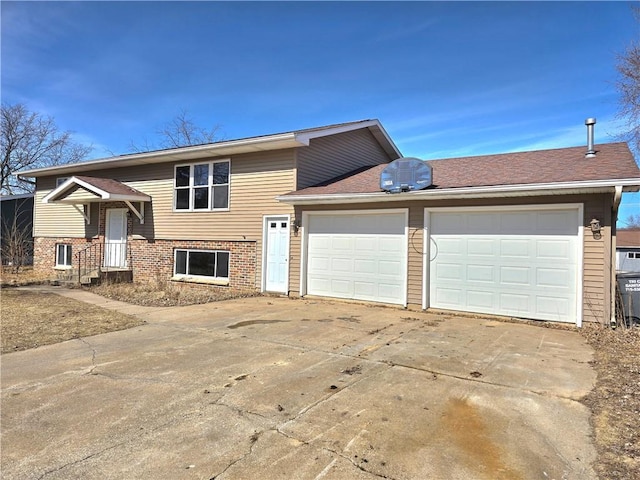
column 595, row 225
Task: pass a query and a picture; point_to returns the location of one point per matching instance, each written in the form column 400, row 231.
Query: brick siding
column 152, row 260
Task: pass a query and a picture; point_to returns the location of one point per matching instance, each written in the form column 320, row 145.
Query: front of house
column 529, row 235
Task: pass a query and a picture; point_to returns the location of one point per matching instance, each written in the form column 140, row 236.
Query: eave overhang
column 494, row 191
column 221, row 149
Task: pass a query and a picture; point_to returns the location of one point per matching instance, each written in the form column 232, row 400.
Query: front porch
column 99, row 262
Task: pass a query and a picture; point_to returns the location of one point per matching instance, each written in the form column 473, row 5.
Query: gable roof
column 628, row 237
column 103, row 189
column 563, row 168
column 294, row 139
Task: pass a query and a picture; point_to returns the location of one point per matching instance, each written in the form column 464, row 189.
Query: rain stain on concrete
column 463, row 422
column 248, row 323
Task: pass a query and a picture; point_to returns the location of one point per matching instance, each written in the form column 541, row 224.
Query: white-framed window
column 61, row 180
column 63, row 255
column 213, row 264
column 633, row 254
column 202, row 186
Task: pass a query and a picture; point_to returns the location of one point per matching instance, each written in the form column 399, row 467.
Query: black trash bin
column 629, row 288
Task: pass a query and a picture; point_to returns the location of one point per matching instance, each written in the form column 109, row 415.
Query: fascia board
column 565, row 188
column 375, row 126
column 255, row 144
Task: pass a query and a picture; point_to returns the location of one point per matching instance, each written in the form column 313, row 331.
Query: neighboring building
column 16, row 224
column 628, row 250
column 303, row 213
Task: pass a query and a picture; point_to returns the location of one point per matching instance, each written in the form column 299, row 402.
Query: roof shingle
column 612, row 161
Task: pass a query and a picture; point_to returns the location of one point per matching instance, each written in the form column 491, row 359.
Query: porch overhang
column 82, row 190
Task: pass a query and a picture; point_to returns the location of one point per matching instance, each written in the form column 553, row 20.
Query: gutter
column 617, row 197
column 558, row 188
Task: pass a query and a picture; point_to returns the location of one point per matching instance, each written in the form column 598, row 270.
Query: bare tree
column 30, row 140
column 16, row 246
column 628, row 86
column 181, row 131
column 633, row 221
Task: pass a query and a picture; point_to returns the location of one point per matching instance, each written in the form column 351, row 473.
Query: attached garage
column 357, row 255
column 524, row 261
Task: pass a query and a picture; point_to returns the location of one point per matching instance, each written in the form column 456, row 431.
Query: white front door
column 276, row 236
column 115, row 241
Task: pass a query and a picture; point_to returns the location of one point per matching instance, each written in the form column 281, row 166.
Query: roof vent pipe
column 590, row 122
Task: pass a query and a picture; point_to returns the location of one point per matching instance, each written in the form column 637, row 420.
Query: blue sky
column 445, row 78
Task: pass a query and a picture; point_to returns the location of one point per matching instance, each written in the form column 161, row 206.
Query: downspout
column 617, row 196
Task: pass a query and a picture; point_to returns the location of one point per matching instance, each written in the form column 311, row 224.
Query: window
column 202, row 263
column 61, row 180
column 63, row 255
column 633, row 255
column 202, row 186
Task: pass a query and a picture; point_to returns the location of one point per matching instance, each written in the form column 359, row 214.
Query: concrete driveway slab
column 279, row 388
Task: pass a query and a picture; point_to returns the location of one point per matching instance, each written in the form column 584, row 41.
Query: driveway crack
column 93, row 356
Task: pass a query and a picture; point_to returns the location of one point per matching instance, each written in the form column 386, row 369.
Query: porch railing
column 90, row 260
column 100, row 256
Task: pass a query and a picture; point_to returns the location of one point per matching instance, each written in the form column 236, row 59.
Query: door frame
column 426, row 248
column 265, row 239
column 107, row 224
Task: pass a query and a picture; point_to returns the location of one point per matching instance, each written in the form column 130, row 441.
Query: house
column 305, row 213
column 16, row 226
column 204, row 214
column 628, row 250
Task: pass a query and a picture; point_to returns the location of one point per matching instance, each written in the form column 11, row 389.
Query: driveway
column 279, row 388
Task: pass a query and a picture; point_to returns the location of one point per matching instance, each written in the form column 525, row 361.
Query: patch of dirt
column 31, row 319
column 615, row 400
column 168, row 294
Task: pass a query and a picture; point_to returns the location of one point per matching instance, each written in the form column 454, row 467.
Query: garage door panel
column 449, row 271
column 480, row 300
column 448, row 245
column 449, row 296
column 341, row 264
column 527, row 266
column 515, row 247
column 480, row 273
column 553, row 306
column 554, row 277
column 367, row 257
column 365, row 266
column 555, row 250
column 514, row 303
column 481, row 247
column 514, row 276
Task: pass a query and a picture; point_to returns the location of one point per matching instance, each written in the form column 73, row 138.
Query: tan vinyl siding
column 56, row 219
column 330, row 157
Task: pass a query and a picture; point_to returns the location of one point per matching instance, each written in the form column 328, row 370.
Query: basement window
column 63, row 255
column 205, row 266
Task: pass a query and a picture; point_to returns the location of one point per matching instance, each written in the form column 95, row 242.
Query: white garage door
column 521, row 263
column 358, row 256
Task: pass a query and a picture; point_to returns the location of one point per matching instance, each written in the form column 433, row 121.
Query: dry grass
column 168, row 294
column 615, row 401
column 32, row 319
column 26, row 276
